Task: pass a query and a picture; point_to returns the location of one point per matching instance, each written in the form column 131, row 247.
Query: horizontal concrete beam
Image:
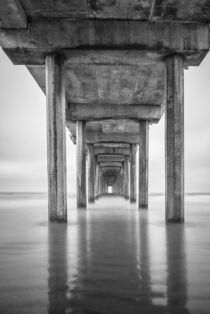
column 97, row 137
column 111, row 145
column 44, row 36
column 110, row 168
column 12, row 15
column 90, row 112
column 120, row 57
column 109, row 158
column 110, row 164
column 111, row 151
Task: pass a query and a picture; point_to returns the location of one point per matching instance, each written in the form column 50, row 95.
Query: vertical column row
column 56, row 140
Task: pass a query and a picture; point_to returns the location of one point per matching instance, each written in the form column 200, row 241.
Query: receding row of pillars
column 97, row 185
column 56, row 142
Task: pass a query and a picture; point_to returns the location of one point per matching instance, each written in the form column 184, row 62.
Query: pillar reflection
column 144, row 264
column 110, row 261
column 58, row 269
column 176, row 270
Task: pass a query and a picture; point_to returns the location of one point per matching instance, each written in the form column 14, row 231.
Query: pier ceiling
column 95, row 92
column 30, row 46
column 176, row 10
column 141, row 84
column 126, row 132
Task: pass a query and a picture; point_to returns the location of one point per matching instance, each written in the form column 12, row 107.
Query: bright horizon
column 23, row 165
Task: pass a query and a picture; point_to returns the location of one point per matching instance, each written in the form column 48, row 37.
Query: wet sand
column 111, row 258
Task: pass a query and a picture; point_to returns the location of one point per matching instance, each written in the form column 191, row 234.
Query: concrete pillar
column 133, row 173
column 174, row 130
column 91, row 173
column 126, row 178
column 118, row 183
column 121, row 181
column 81, row 164
column 143, row 163
column 96, row 192
column 99, row 183
column 56, row 138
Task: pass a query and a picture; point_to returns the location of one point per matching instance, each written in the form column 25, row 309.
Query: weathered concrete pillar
column 121, row 181
column 91, row 173
column 126, row 178
column 133, row 173
column 143, row 163
column 99, row 183
column 118, row 183
column 56, row 138
column 175, row 140
column 81, row 164
column 96, row 193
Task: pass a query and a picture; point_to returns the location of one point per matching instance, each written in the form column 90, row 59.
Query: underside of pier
column 109, row 69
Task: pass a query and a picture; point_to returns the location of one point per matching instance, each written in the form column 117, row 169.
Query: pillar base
column 143, row 206
column 81, row 206
column 58, row 219
column 91, row 200
column 175, row 220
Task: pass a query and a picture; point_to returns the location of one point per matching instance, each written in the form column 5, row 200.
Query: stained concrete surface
column 108, row 259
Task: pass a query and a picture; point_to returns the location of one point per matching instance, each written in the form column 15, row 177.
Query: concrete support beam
column 81, row 164
column 110, row 164
column 56, row 138
column 143, row 163
column 148, row 112
column 12, row 15
column 50, row 34
column 111, row 151
column 126, row 178
column 91, row 174
column 133, row 174
column 98, row 137
column 175, row 140
column 110, row 158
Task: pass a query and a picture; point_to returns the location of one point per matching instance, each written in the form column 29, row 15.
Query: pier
column 110, row 70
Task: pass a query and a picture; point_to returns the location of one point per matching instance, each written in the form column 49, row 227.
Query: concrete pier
column 143, row 163
column 56, row 138
column 174, row 133
column 81, row 165
column 122, row 72
column 133, row 173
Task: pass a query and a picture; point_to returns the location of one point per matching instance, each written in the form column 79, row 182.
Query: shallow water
column 111, row 258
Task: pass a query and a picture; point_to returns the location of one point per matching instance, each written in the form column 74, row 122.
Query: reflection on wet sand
column 176, row 270
column 58, row 268
column 113, row 270
column 110, row 259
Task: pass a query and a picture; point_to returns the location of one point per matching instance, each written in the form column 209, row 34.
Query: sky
column 23, row 151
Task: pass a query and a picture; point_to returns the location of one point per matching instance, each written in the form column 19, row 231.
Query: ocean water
column 111, row 258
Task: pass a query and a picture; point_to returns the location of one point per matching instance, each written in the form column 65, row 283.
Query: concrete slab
column 101, row 131
column 12, row 15
column 183, row 10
